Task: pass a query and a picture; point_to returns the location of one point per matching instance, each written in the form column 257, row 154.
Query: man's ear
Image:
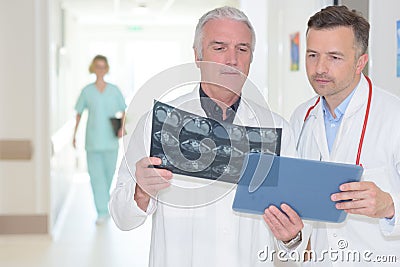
column 196, row 57
column 362, row 61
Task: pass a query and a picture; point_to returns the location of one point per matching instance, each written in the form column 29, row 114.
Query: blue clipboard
column 305, row 185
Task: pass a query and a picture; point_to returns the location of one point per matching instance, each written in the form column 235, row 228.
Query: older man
column 200, row 228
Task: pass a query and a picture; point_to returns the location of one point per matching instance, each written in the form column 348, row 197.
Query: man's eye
column 243, row 49
column 219, row 48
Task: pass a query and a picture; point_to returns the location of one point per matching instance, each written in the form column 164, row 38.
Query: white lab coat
column 206, row 235
column 380, row 158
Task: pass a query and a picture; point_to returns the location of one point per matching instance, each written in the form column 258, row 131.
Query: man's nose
column 231, row 57
column 321, row 65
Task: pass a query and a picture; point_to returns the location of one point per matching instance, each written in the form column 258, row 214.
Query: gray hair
column 225, row 12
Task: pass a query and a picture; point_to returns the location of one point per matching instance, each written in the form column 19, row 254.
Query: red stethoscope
column 360, row 144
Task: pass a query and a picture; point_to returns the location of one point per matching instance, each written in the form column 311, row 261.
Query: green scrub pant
column 101, row 168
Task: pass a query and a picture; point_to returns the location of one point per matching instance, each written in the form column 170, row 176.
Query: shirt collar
column 210, row 107
column 339, row 110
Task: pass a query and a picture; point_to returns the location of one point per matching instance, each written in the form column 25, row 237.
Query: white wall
column 256, row 11
column 24, row 184
column 62, row 163
column 30, row 33
column 287, row 89
column 274, row 21
column 383, row 44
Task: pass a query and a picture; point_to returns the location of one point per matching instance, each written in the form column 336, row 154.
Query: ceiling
column 145, row 12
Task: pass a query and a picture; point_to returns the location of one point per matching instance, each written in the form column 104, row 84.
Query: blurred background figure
column 104, row 102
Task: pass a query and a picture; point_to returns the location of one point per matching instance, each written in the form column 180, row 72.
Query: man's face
column 227, row 42
column 331, row 63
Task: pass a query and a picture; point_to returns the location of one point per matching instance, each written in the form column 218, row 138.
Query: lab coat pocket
column 379, row 176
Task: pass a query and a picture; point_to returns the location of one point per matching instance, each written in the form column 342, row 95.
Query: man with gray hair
column 200, row 228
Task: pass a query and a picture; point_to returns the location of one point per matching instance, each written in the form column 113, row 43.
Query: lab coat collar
column 245, row 113
column 358, row 101
column 359, row 98
column 318, row 129
column 191, row 102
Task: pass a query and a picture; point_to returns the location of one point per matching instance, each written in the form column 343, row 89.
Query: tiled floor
column 78, row 242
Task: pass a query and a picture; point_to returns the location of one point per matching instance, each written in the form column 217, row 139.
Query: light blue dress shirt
column 332, row 124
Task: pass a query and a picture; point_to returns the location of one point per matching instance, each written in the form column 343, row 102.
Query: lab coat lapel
column 319, row 132
column 191, row 103
column 359, row 99
column 196, row 107
column 347, row 138
column 245, row 116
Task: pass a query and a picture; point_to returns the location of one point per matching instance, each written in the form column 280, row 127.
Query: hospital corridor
column 77, row 241
column 48, row 53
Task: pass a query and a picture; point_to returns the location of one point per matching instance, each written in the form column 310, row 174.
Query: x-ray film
column 192, row 145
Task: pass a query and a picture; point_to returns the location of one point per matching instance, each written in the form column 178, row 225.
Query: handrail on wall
column 16, row 149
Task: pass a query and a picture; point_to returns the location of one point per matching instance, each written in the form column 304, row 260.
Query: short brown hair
column 336, row 16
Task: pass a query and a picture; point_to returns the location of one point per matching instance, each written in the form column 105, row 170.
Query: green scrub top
column 101, row 107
